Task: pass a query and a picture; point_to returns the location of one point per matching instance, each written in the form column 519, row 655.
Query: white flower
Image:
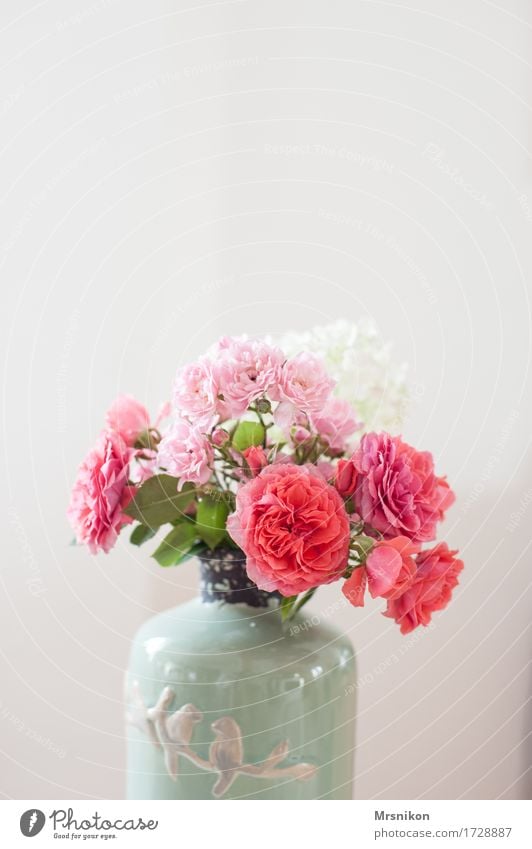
column 361, row 362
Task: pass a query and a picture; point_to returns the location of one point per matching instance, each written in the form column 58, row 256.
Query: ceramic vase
column 224, row 701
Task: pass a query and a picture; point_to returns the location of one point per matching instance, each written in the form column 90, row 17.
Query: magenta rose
column 431, row 590
column 100, row 493
column 397, row 490
column 293, row 528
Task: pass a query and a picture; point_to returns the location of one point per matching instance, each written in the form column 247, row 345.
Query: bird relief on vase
column 172, row 732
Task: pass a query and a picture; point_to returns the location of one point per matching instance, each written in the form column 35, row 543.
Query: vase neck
column 223, row 577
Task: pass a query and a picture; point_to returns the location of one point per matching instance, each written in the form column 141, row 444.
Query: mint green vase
column 224, row 702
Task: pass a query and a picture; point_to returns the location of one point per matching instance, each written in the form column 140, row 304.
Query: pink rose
column 346, row 478
column 100, row 493
column 305, row 382
column 186, row 453
column 388, row 572
column 336, row 422
column 255, row 458
column 431, row 590
column 397, row 489
column 244, row 370
column 293, row 528
column 128, row 418
column 196, row 393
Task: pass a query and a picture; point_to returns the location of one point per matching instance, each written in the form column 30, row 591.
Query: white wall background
column 171, row 171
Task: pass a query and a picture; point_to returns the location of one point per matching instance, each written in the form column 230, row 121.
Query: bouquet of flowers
column 260, row 454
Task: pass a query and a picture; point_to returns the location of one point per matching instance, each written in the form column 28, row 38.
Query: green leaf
column 140, row 534
column 197, row 550
column 287, row 603
column 157, row 501
column 248, row 434
column 176, row 545
column 211, row 517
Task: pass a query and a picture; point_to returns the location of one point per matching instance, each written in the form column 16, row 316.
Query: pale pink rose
column 293, row 528
column 195, row 392
column 256, row 458
column 244, row 370
column 100, row 493
column 286, row 415
column 389, row 570
column 336, row 422
column 305, row 382
column 186, row 453
column 397, row 490
column 128, row 418
column 437, row 576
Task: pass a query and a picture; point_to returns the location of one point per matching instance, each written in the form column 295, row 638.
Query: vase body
column 224, row 702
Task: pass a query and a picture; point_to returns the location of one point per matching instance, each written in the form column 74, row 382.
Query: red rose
column 431, row 590
column 293, row 527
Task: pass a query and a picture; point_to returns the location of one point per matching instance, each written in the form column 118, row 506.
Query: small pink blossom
column 219, row 436
column 244, row 370
column 100, row 493
column 195, row 392
column 397, row 490
column 336, row 423
column 128, row 418
column 186, row 454
column 305, row 382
